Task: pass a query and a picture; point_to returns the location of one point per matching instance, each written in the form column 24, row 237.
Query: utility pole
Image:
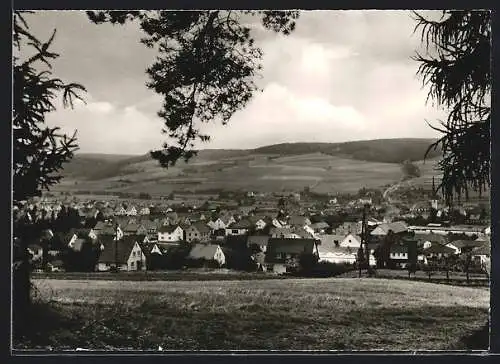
column 362, row 243
column 116, row 246
column 365, row 240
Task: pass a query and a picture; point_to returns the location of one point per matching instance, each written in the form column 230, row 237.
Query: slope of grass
column 292, row 314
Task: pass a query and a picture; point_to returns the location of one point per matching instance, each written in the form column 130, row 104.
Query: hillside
column 323, row 167
column 378, row 150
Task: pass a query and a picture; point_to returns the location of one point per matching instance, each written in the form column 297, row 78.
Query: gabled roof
column 117, row 250
column 201, row 227
column 396, row 227
column 82, row 232
column 327, row 242
column 433, row 238
column 320, row 225
column 399, row 248
column 100, row 225
column 460, row 244
column 78, row 245
column 292, row 246
column 202, row 251
column 437, row 248
column 169, row 229
column 131, row 227
column 147, row 247
column 108, row 230
column 242, row 224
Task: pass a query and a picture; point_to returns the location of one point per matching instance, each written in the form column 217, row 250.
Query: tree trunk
column 21, row 288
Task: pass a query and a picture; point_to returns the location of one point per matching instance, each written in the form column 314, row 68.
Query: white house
column 121, row 211
column 170, row 233
column 239, row 228
column 145, row 211
column 216, row 224
column 132, row 211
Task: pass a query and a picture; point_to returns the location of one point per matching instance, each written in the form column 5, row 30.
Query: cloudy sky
column 342, row 75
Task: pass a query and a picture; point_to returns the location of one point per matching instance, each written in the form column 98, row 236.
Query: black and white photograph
column 251, row 181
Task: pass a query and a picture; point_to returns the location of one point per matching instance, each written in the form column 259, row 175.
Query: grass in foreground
column 304, row 314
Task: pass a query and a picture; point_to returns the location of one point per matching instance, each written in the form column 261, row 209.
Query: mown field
column 289, row 314
column 323, row 167
column 265, row 173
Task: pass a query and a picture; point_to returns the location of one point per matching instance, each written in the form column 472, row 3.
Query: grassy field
column 321, row 173
column 289, row 314
column 323, row 167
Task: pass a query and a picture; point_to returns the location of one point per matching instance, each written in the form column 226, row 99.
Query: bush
column 327, row 269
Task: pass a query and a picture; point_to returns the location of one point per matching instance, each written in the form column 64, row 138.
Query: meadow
column 280, row 314
column 265, row 173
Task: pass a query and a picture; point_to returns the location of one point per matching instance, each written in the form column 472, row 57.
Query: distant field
column 323, row 167
column 291, row 314
column 319, row 172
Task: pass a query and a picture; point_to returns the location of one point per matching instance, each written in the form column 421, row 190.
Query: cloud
column 342, row 75
column 279, row 115
column 104, row 128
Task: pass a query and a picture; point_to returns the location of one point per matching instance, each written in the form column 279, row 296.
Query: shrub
column 327, row 269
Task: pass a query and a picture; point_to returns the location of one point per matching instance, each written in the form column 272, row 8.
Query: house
column 426, row 240
column 216, row 224
column 287, row 233
column 329, row 250
column 481, row 254
column 145, row 211
column 258, row 241
column 134, row 228
column 462, row 246
column 398, row 254
column 283, row 254
column 207, row 252
column 351, row 241
column 397, row 227
column 170, row 233
column 228, row 220
column 77, row 244
column 142, row 238
column 148, row 249
column 132, row 211
column 124, row 254
column 151, row 228
column 258, row 222
column 120, row 211
column 85, row 233
column 197, row 232
column 348, row 228
column 241, row 227
column 437, row 250
column 245, row 210
column 111, row 230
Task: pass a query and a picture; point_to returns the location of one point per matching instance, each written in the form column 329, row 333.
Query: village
column 249, row 231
